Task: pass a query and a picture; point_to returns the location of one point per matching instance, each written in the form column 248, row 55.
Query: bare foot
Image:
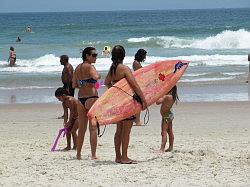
column 169, row 150
column 66, row 149
column 94, row 158
column 138, row 124
column 161, row 151
column 118, row 160
column 78, row 157
column 128, row 161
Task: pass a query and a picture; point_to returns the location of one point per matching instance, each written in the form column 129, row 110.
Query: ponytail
column 118, row 54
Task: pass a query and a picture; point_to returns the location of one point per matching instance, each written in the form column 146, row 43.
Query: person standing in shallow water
column 12, row 57
column 117, row 72
column 18, row 39
column 140, row 56
column 67, row 76
column 84, row 78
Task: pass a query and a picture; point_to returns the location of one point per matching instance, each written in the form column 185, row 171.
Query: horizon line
column 126, row 10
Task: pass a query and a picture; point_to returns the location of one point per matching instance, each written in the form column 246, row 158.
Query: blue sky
column 105, row 5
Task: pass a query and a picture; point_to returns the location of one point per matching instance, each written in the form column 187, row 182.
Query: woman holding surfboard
column 84, row 78
column 117, row 72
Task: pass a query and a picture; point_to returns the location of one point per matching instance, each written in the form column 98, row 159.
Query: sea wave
column 51, row 63
column 208, row 79
column 195, row 74
column 27, row 87
column 227, row 39
column 234, row 73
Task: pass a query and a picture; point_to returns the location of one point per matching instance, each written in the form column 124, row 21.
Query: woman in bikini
column 12, row 57
column 84, row 78
column 140, row 56
column 117, row 72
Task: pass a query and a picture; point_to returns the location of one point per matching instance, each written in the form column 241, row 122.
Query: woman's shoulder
column 123, row 67
column 78, row 66
column 87, row 66
column 136, row 65
column 83, row 65
column 136, row 62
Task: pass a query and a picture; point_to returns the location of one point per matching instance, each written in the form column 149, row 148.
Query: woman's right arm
column 93, row 73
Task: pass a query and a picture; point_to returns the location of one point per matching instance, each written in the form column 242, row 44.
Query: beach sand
column 211, row 149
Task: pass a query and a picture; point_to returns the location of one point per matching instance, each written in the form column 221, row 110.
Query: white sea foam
column 51, row 64
column 26, row 87
column 194, row 74
column 227, row 39
column 207, row 79
column 234, row 73
column 137, row 40
column 93, row 42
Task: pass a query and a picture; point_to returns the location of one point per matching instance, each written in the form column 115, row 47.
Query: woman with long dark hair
column 140, row 56
column 84, row 78
column 167, row 114
column 117, row 72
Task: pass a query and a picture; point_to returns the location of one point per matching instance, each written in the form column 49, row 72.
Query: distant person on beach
column 84, row 78
column 12, row 57
column 167, row 102
column 140, row 56
column 13, row 99
column 248, row 79
column 28, row 29
column 106, row 51
column 67, row 76
column 71, row 121
column 117, row 72
column 18, row 39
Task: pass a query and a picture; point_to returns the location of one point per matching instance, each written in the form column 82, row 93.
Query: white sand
column 211, row 149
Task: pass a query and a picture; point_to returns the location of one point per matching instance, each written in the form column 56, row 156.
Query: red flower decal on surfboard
column 162, row 77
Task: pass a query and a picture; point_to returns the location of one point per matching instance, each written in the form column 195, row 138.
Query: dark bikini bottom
column 130, row 118
column 84, row 99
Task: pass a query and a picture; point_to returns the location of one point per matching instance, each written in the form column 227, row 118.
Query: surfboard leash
column 138, row 99
column 98, row 128
column 146, row 114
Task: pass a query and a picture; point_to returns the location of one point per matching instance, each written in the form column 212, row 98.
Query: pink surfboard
column 155, row 80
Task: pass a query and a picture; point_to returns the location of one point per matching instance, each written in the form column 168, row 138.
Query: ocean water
column 216, row 42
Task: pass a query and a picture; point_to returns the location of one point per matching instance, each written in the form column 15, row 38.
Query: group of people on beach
column 12, row 53
column 84, row 78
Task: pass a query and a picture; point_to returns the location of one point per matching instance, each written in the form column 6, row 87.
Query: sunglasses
column 94, row 55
